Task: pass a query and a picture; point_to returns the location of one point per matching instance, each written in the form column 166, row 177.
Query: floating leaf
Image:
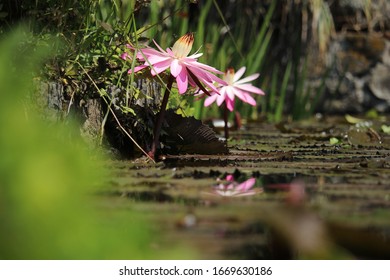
column 352, row 119
column 385, row 128
column 334, row 141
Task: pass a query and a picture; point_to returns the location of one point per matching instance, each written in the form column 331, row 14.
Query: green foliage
column 94, row 34
column 306, row 97
column 49, row 179
column 274, row 104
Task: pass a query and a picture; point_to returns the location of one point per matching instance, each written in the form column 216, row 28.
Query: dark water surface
column 322, row 190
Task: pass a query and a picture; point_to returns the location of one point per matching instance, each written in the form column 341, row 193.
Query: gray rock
column 359, row 77
column 380, row 82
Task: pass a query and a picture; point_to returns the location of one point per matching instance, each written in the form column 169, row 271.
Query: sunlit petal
column 229, row 104
column 153, row 59
column 247, row 79
column 182, row 81
column 220, row 99
column 210, row 99
column 245, row 97
column 250, row 88
column 239, row 74
column 222, row 91
column 160, row 67
column 176, row 68
column 230, row 92
column 205, row 76
column 144, row 53
column 170, row 53
column 194, row 56
column 137, row 68
column 212, row 87
column 205, row 67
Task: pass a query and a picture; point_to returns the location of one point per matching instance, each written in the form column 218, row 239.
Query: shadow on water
column 158, row 196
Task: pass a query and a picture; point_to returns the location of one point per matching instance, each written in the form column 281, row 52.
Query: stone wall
column 357, row 59
column 359, row 77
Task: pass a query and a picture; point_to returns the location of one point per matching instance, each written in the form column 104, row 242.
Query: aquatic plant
column 234, row 87
column 183, row 68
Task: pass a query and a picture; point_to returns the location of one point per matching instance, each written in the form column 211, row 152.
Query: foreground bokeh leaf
column 49, row 178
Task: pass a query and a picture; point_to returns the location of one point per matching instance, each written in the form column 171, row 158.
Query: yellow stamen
column 183, row 45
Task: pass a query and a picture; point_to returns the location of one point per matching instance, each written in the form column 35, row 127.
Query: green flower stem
column 160, row 118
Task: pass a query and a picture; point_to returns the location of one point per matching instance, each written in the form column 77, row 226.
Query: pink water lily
column 235, row 87
column 183, row 67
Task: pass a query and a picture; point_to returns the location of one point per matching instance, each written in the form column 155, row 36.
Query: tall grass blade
column 283, row 90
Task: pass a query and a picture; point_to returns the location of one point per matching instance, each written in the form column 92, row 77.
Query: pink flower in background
column 235, row 87
column 185, row 69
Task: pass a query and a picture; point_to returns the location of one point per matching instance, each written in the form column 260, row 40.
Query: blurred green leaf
column 48, row 177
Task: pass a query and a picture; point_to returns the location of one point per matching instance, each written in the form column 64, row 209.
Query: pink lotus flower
column 185, row 69
column 235, row 87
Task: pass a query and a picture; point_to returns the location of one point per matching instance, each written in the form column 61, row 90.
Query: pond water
column 321, row 190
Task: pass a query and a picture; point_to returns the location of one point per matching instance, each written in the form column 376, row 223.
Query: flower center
column 229, row 76
column 183, row 45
